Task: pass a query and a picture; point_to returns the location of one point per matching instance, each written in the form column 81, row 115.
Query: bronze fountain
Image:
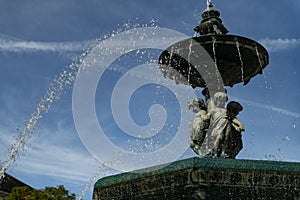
column 237, row 58
column 213, row 59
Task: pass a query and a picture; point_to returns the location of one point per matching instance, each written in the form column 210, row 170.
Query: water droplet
column 286, row 138
column 294, row 126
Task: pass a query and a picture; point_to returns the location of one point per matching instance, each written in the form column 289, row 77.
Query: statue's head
column 196, row 105
column 219, row 99
column 234, row 108
column 205, row 92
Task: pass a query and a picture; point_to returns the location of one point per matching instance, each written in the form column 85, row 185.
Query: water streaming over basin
column 189, row 60
column 214, row 43
column 258, row 58
column 241, row 59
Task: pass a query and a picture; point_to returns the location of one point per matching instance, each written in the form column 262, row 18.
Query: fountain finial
column 210, row 6
column 211, row 23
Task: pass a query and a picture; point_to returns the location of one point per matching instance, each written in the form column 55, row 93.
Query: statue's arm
column 238, row 125
column 205, row 116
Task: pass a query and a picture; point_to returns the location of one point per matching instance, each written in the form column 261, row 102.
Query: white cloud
column 67, row 163
column 275, row 45
column 10, row 44
column 267, row 107
column 54, row 154
column 58, row 162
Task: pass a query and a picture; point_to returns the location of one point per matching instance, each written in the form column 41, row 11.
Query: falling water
column 170, row 72
column 261, row 67
column 189, row 59
column 294, row 124
column 54, row 92
column 258, row 58
column 101, row 172
column 215, row 59
column 135, row 146
column 241, row 60
column 62, row 81
column 216, row 29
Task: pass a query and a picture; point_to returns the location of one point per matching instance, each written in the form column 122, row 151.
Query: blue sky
column 39, row 39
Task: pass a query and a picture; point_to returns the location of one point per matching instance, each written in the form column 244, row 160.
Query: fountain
column 210, row 60
column 237, row 58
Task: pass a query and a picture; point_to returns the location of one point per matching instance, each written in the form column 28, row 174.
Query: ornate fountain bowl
column 197, row 60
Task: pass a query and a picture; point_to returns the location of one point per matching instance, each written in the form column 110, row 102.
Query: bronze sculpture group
column 215, row 130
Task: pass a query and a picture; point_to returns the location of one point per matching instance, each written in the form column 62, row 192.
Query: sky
column 39, row 41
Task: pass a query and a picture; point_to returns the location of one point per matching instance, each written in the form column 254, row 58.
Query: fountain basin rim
column 227, row 39
column 224, row 50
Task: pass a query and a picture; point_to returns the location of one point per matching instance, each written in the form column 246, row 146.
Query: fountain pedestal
column 208, row 178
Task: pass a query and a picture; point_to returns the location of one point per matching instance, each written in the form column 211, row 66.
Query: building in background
column 7, row 183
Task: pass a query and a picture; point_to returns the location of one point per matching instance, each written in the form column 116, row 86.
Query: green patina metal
column 209, row 163
column 212, row 178
column 211, row 23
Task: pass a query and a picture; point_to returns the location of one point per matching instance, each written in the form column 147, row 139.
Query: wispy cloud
column 10, row 44
column 275, row 45
column 267, row 107
column 72, row 167
column 58, row 157
column 58, row 162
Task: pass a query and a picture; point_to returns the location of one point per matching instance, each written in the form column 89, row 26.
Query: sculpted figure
column 208, row 100
column 216, row 130
column 235, row 144
column 220, row 127
column 199, row 126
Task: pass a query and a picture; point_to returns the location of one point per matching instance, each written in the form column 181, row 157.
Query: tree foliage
column 48, row 193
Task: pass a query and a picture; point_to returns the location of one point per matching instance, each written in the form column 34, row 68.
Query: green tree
column 19, row 193
column 48, row 193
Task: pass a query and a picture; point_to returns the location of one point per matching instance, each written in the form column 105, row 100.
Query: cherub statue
column 225, row 128
column 235, row 143
column 216, row 130
column 219, row 128
column 210, row 103
column 199, row 126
